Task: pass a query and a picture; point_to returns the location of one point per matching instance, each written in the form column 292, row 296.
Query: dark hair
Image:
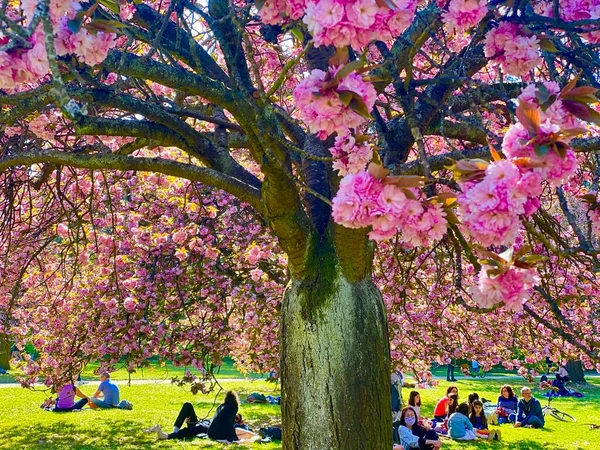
column 472, row 397
column 510, row 391
column 232, row 397
column 452, row 408
column 473, row 415
column 463, row 408
column 404, row 411
column 411, row 398
column 450, row 389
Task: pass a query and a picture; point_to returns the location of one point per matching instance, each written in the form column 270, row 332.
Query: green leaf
column 358, row 106
column 110, row 4
column 345, row 97
column 349, row 68
column 106, row 26
column 297, row 33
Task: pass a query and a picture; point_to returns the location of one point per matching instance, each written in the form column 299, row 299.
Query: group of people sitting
column 465, row 421
column 226, row 425
column 106, row 396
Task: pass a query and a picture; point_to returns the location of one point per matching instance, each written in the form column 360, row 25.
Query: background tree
column 261, row 105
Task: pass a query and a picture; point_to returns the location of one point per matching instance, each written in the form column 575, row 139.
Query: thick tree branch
column 211, row 177
column 170, row 76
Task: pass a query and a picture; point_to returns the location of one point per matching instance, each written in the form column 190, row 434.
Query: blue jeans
column 533, row 421
column 80, row 404
column 101, row 403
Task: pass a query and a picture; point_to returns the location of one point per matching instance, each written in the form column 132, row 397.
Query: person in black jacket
column 220, row 427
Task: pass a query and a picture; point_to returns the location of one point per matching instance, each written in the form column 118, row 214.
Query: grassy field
column 23, row 425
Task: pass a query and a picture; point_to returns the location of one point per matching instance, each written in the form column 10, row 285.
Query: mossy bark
column 4, row 352
column 335, row 362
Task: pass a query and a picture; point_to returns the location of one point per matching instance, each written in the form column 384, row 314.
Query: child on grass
column 480, row 424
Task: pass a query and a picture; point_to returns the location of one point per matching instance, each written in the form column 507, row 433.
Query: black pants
column 432, row 435
column 562, row 379
column 80, row 404
column 193, row 428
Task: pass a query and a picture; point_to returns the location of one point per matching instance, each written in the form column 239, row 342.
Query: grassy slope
column 23, row 425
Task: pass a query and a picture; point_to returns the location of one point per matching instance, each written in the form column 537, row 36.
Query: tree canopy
column 184, row 178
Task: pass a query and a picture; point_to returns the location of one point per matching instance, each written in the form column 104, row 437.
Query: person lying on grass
column 221, row 427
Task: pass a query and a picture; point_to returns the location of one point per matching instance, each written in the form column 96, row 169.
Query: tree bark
column 575, row 369
column 4, row 352
column 335, row 362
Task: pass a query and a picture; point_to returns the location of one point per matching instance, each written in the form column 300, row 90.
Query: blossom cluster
column 356, row 23
column 275, row 11
column 464, row 14
column 512, row 48
column 490, row 209
column 350, row 156
column 556, row 113
column 364, row 201
column 512, row 287
column 29, row 63
column 342, row 22
column 323, row 110
column 552, row 167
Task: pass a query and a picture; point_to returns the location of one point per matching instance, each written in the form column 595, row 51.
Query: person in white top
column 562, row 374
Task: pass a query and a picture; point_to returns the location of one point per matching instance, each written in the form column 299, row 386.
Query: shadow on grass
column 62, row 435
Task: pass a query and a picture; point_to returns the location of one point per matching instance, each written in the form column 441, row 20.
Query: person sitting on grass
column 506, row 407
column 441, row 410
column 459, row 425
column 108, row 390
column 414, row 401
column 221, row 427
column 415, row 436
column 65, row 400
column 562, row 374
column 480, row 423
column 529, row 411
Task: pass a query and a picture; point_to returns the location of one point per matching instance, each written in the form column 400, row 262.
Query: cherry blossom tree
column 152, row 149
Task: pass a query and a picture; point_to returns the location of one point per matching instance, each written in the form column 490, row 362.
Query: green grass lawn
column 23, row 425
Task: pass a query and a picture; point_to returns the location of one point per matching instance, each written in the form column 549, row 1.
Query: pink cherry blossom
column 464, row 14
column 509, row 47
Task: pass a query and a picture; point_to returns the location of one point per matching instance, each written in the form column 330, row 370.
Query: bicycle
column 556, row 413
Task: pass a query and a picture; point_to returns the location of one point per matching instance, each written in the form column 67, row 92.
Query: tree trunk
column 4, row 352
column 335, row 363
column 575, row 369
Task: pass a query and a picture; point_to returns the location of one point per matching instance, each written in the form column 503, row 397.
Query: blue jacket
column 458, row 424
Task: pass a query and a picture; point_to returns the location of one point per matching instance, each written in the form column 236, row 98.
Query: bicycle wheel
column 562, row 415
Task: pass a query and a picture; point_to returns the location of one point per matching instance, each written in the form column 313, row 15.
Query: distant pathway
column 233, row 380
